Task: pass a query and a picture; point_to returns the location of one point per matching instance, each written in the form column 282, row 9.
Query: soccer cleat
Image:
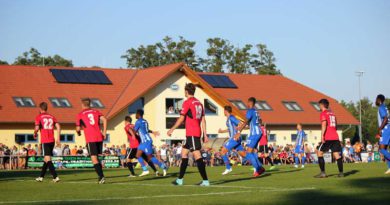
column 39, row 179
column 321, row 175
column 227, row 171
column 55, row 180
column 272, row 168
column 101, row 181
column 144, row 173
column 131, row 176
column 340, row 175
column 178, row 182
column 388, row 171
column 295, row 166
column 259, row 173
column 303, row 166
column 204, row 183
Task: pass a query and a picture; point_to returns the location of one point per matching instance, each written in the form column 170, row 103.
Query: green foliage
column 34, row 57
column 221, row 56
column 3, row 62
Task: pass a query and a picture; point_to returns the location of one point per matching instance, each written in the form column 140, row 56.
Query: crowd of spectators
column 171, row 154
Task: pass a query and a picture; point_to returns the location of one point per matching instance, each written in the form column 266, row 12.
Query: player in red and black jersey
column 329, row 139
column 195, row 122
column 89, row 119
column 45, row 123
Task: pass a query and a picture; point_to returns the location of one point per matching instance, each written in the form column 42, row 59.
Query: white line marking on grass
column 122, row 198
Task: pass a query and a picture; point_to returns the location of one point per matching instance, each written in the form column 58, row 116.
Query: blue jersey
column 231, row 124
column 253, row 121
column 382, row 113
column 142, row 128
column 301, row 137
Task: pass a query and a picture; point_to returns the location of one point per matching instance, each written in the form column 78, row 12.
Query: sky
column 320, row 44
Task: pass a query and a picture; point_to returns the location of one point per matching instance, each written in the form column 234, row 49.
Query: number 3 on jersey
column 91, row 119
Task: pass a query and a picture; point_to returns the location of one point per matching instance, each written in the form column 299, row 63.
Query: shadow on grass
column 224, row 181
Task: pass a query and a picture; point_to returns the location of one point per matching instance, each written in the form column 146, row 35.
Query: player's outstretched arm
column 222, row 130
column 176, row 125
column 203, row 126
column 58, row 127
column 104, row 121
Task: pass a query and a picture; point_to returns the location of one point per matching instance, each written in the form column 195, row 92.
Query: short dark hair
column 140, row 112
column 324, row 102
column 252, row 99
column 190, row 88
column 228, row 108
column 381, row 97
column 128, row 119
column 43, row 106
column 86, row 102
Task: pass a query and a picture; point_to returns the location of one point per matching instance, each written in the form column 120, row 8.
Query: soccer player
column 252, row 119
column 384, row 129
column 329, row 139
column 134, row 141
column 263, row 145
column 146, row 146
column 45, row 123
column 195, row 122
column 300, row 147
column 89, row 119
column 233, row 143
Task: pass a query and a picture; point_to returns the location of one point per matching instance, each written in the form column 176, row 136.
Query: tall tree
column 3, row 62
column 263, row 62
column 34, row 57
column 218, row 54
column 239, row 60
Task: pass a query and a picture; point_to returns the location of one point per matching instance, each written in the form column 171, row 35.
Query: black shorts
column 193, row 143
column 263, row 149
column 333, row 145
column 95, row 148
column 131, row 153
column 47, row 149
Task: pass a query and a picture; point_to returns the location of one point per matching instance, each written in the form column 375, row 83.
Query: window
column 170, row 121
column 239, row 104
column 209, row 107
column 60, row 102
column 316, row 106
column 96, row 103
column 262, row 105
column 138, row 104
column 22, row 138
column 272, row 138
column 173, row 105
column 69, row 138
column 293, row 137
column 292, row 106
column 107, row 140
column 24, row 102
column 212, row 136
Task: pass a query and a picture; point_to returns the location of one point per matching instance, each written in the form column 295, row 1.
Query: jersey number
column 199, row 111
column 91, row 119
column 47, row 124
column 332, row 121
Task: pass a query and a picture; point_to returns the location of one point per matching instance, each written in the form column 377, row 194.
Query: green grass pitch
column 364, row 184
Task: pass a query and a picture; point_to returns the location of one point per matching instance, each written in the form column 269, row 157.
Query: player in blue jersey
column 252, row 119
column 384, row 129
column 233, row 143
column 146, row 145
column 299, row 147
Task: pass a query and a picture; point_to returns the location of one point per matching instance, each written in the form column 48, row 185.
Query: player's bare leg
column 98, row 168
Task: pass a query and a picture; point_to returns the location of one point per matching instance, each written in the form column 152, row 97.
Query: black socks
column 340, row 164
column 183, row 167
column 131, row 168
column 99, row 169
column 201, row 168
column 43, row 170
column 321, row 162
column 269, row 161
column 52, row 169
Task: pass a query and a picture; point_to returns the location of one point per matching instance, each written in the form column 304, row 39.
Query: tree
column 34, row 57
column 218, row 54
column 3, row 62
column 239, row 60
column 264, row 61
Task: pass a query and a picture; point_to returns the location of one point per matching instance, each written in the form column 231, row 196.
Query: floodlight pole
column 360, row 74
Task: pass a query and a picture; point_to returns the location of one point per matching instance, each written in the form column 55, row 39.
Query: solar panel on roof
column 80, row 76
column 218, row 81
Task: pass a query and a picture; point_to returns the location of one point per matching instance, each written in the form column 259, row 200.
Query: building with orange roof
column 282, row 102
